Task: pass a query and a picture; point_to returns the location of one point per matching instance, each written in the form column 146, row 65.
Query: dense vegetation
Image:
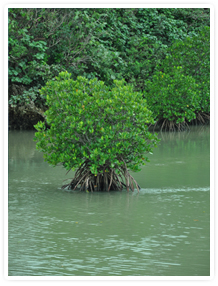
column 180, row 87
column 98, row 130
column 138, row 45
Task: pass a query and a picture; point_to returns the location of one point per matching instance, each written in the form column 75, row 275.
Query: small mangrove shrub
column 100, row 131
column 193, row 54
column 173, row 97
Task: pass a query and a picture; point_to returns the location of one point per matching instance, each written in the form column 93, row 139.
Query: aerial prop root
column 106, row 179
column 167, row 125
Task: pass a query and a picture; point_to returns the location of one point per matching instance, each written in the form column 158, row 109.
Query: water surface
column 162, row 231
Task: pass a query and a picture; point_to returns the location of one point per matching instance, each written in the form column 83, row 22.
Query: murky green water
column 162, row 231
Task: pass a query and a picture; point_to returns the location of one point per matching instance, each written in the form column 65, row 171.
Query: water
column 162, row 231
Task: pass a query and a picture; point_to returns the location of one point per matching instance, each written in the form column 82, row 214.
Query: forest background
column 162, row 52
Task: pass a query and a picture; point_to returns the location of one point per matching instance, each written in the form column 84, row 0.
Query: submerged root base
column 166, row 125
column 202, row 118
column 109, row 180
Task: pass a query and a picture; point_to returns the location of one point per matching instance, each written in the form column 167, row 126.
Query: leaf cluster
column 173, row 95
column 180, row 85
column 95, row 124
column 193, row 54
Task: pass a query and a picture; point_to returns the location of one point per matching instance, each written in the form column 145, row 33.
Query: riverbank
column 25, row 117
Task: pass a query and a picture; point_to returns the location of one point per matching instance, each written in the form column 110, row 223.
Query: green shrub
column 101, row 131
column 173, row 97
column 193, row 54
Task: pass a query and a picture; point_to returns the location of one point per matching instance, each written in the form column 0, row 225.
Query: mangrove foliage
column 98, row 130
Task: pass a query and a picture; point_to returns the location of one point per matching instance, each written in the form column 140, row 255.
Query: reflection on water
column 162, row 231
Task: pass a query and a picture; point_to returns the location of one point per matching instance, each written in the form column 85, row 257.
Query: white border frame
column 212, row 138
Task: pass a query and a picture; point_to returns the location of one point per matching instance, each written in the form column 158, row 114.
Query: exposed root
column 106, row 179
column 164, row 124
column 202, row 117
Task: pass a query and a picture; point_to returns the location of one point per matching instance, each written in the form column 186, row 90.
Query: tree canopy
column 95, row 128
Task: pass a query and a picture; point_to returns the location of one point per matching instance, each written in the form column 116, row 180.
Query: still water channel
column 162, row 231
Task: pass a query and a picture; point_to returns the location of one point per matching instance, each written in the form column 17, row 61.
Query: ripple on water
column 144, row 191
